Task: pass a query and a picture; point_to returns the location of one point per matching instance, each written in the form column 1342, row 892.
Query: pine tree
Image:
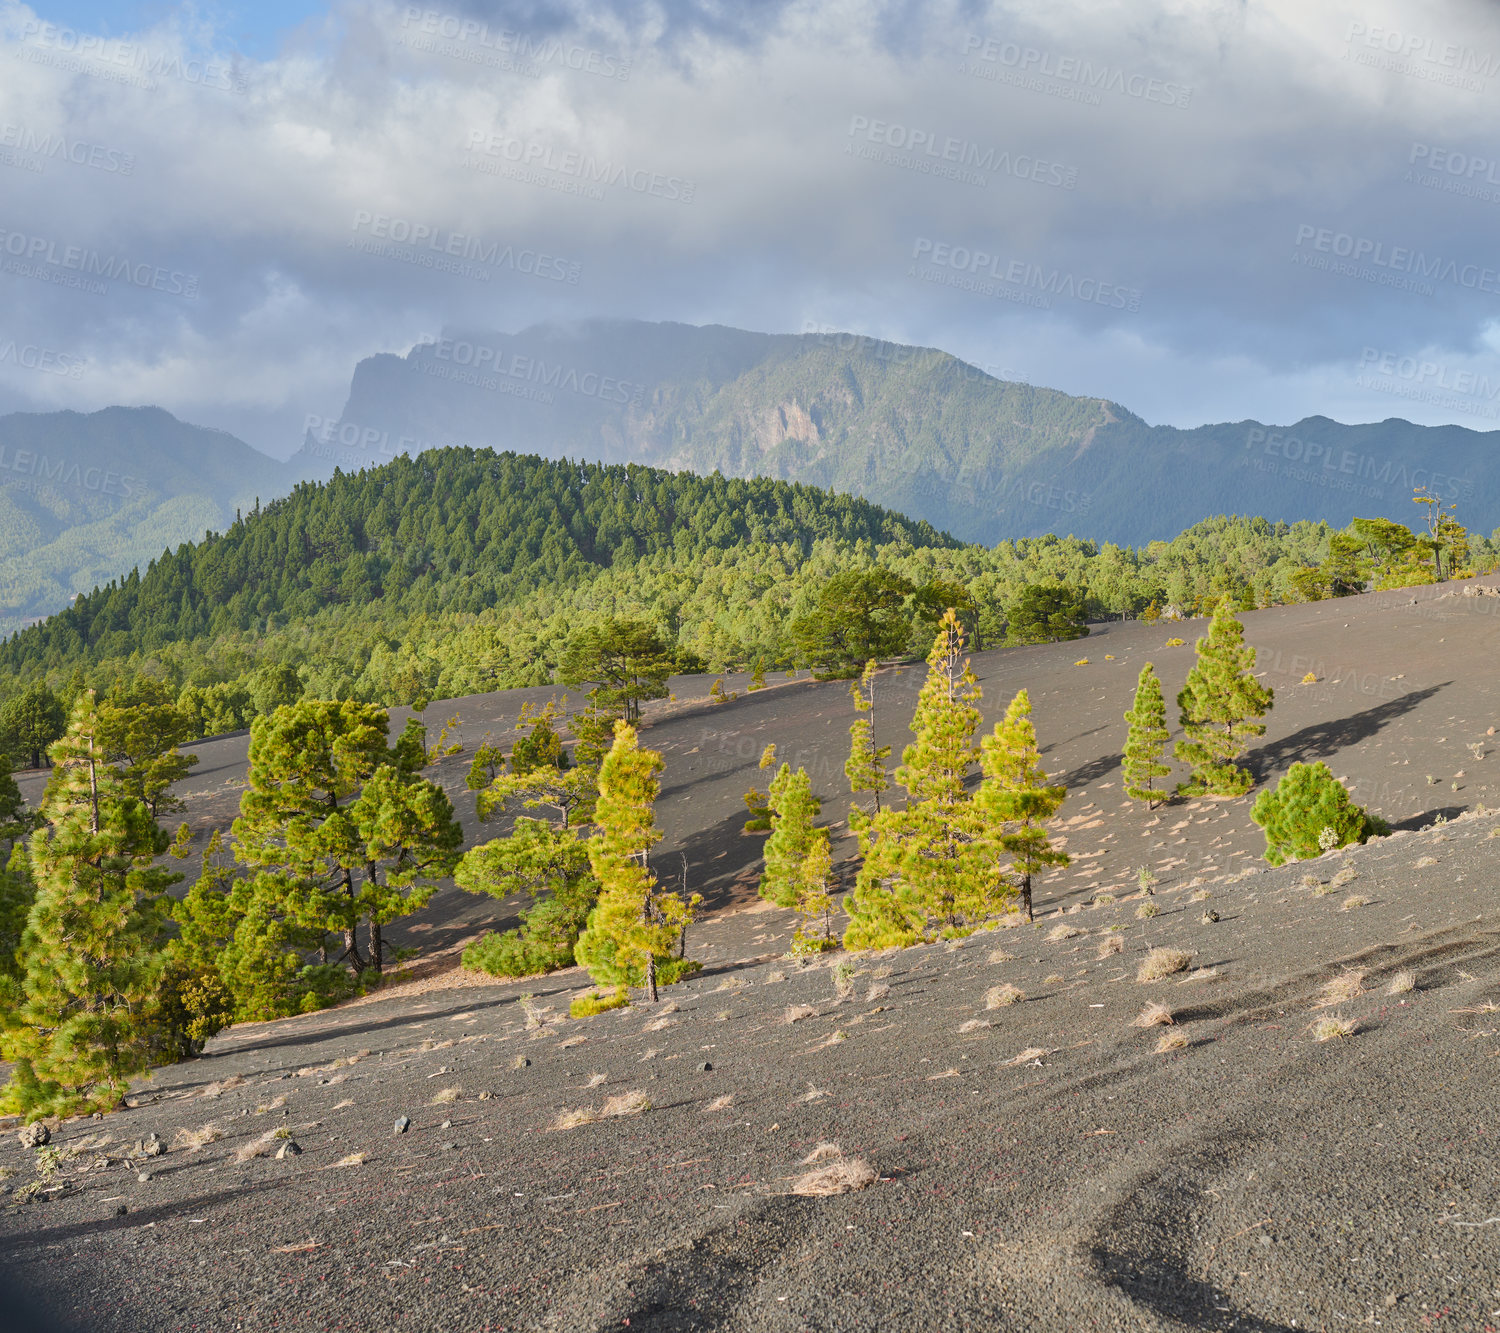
column 140, row 727
column 1016, row 797
column 635, row 924
column 1146, row 741
column 91, row 954
column 865, row 767
column 793, row 810
column 814, row 903
column 1309, row 812
column 758, row 802
column 924, row 865
column 1219, row 705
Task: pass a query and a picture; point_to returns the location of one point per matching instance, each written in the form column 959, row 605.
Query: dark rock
column 152, row 1146
column 121, row 1210
column 402, row 1124
column 34, row 1136
column 704, row 1067
column 448, row 1147
column 288, row 1149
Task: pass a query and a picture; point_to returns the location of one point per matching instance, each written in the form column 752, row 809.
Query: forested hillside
column 465, row 570
column 83, row 498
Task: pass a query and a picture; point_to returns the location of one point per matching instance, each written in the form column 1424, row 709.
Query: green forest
column 462, row 571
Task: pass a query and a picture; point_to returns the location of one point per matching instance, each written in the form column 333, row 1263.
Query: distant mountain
column 912, row 429
column 85, row 498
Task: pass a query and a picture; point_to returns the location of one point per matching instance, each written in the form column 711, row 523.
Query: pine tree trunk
column 1026, row 894
column 377, row 947
column 651, row 978
column 351, row 950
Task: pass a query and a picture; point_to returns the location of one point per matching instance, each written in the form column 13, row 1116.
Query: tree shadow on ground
column 1167, row 1289
column 1323, row 740
column 1414, row 823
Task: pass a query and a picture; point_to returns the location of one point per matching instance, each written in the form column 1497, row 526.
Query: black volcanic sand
column 1255, row 1179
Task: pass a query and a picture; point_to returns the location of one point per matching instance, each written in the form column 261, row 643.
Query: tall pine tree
column 1146, row 741
column 793, row 810
column 1016, row 797
column 865, row 767
column 924, row 866
column 91, row 955
column 635, row 923
column 1219, row 706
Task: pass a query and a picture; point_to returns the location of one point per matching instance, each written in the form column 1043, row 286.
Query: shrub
column 1174, row 643
column 195, row 1004
column 512, row 954
column 1307, row 801
column 596, row 1002
column 1161, row 963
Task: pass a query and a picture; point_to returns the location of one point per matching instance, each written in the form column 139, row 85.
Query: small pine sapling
column 1146, row 741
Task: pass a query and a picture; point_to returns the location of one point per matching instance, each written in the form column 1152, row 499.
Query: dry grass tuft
column 795, row 1013
column 1333, row 1026
column 1000, row 956
column 256, row 1147
column 660, row 1024
column 1345, row 876
column 626, row 1103
column 877, row 992
column 840, row 1177
column 275, row 1104
column 1110, row 946
column 1171, row 1041
column 973, row 1025
column 1153, row 1015
column 998, row 996
column 596, row 1079
column 1026, row 1057
column 1101, row 900
column 822, row 1153
column 1062, row 931
column 813, row 1094
column 1161, row 963
column 446, row 1095
column 1422, row 862
column 775, row 975
column 566, row 1119
column 353, row 1159
column 1352, row 901
column 1402, row 983
column 1310, row 881
column 520, row 1062
column 193, row 1139
column 571, row 1042
column 731, row 983
column 1053, row 979
column 1201, row 896
column 721, row 1103
column 214, row 1089
column 1342, row 988
column 1146, row 911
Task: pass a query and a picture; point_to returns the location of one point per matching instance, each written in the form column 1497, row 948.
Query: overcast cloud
column 1204, row 211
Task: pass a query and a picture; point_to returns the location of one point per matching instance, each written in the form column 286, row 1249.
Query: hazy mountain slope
column 912, row 429
column 84, row 498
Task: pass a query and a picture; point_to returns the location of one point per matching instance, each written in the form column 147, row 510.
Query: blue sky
column 254, row 28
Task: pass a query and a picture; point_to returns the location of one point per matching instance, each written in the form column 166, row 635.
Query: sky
column 1201, row 209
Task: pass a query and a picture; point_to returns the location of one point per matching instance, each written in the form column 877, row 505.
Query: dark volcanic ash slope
column 1040, row 1165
